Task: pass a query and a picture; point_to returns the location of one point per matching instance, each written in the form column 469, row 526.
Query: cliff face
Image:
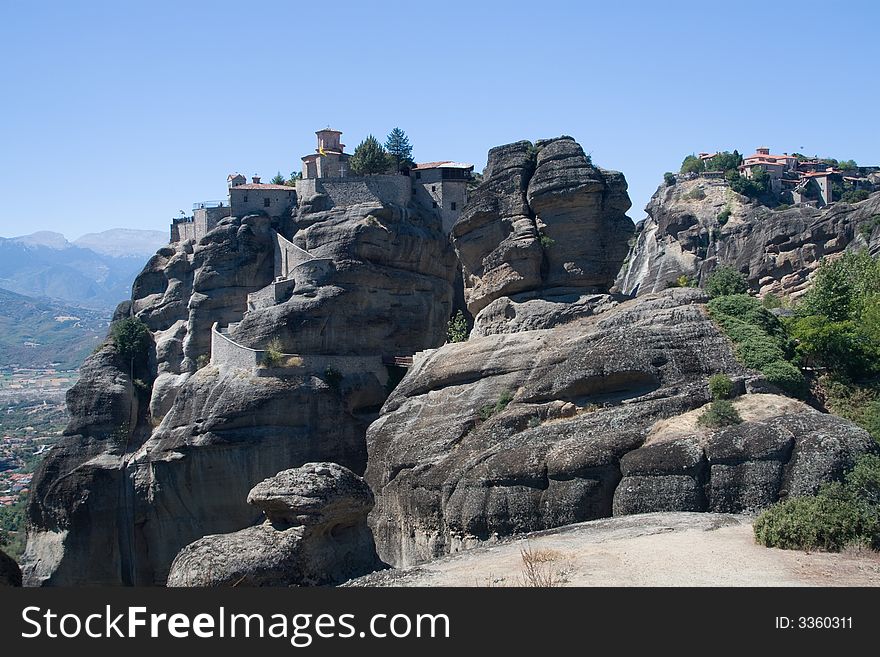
column 157, row 458
column 777, row 250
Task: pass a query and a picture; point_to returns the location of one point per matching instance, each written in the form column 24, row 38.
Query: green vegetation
column 726, row 280
column 720, row 386
column 720, row 413
column 771, row 301
column 723, row 216
column 724, row 161
column 839, row 515
column 847, row 165
column 132, row 338
column 12, row 528
column 760, row 340
column 399, row 149
column 546, row 241
column 278, row 179
column 692, row 164
column 867, row 228
column 273, row 354
column 369, row 158
column 202, row 361
column 754, row 187
column 696, row 194
column 457, row 328
column 682, row 281
column 489, row 410
column 669, row 178
column 854, row 195
column 333, row 378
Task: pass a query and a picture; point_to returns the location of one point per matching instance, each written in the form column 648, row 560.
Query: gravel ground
column 654, row 549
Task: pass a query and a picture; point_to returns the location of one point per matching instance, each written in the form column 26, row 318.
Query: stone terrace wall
column 366, row 189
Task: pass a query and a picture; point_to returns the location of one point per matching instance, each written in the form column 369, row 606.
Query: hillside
column 41, row 333
column 46, row 265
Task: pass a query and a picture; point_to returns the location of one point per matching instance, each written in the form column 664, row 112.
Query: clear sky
column 120, row 114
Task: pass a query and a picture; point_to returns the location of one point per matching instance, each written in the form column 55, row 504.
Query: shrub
column 855, row 195
column 131, row 337
column 839, row 346
column 841, row 514
column 696, row 194
column 720, row 413
column 720, row 386
column 273, row 355
column 786, row 376
column 488, row 410
column 771, row 301
column 669, row 178
column 546, row 241
column 724, row 281
column 682, row 281
column 457, row 328
column 723, row 216
column 870, row 419
column 866, row 228
column 202, row 361
column 333, row 378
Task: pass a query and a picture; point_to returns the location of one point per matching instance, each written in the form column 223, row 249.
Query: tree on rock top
column 399, row 149
column 369, row 157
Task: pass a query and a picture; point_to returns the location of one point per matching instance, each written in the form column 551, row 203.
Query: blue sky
column 119, row 114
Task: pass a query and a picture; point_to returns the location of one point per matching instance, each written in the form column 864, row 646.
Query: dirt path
column 656, row 549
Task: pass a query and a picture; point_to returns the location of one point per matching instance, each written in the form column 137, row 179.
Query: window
column 434, row 204
column 433, row 188
column 267, row 202
column 452, row 207
column 244, row 198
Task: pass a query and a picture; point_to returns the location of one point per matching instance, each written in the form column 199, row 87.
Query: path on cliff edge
column 655, row 549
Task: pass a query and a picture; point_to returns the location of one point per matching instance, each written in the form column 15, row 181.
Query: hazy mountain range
column 95, row 271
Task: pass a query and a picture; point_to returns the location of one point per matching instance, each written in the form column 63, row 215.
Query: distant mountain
column 124, row 242
column 42, row 333
column 47, row 265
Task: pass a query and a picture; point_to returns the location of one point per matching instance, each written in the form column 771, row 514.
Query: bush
column 841, row 514
column 720, row 413
column 696, row 194
column 724, row 281
column 682, row 281
column 838, row 346
column 720, row 386
column 546, row 241
column 870, row 419
column 855, row 195
column 273, row 355
column 669, row 178
column 457, row 328
column 723, row 216
column 489, row 410
column 771, row 301
column 785, row 376
column 131, row 338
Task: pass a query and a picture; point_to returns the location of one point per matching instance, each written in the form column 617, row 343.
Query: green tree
column 369, row 158
column 725, row 281
column 724, row 161
column 131, row 337
column 399, row 149
column 692, row 164
column 847, row 165
column 278, row 179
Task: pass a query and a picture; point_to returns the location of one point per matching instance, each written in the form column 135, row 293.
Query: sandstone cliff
column 697, row 224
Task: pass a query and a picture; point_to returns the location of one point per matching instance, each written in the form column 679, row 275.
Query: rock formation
column 10, row 574
column 156, row 458
column 315, row 533
column 777, row 250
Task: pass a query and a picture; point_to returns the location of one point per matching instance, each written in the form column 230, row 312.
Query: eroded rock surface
column 777, row 250
column 10, row 573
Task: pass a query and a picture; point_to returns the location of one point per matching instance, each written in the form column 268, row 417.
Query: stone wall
column 287, row 256
column 353, row 190
column 252, row 201
column 226, row 353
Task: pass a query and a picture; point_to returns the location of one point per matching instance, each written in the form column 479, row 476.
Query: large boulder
column 315, row 533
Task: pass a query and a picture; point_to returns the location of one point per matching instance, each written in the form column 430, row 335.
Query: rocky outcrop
column 315, row 533
column 741, row 468
column 516, row 432
column 686, row 234
column 152, row 462
column 522, row 230
column 10, row 574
